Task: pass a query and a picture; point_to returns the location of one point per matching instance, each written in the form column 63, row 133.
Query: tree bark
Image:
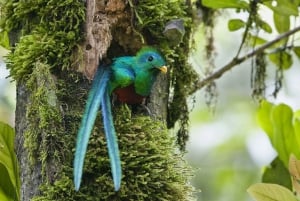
column 30, row 175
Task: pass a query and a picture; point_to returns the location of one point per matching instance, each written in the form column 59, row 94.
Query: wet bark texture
column 30, row 175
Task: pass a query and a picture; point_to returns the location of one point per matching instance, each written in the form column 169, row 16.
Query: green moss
column 152, row 169
column 153, row 15
column 43, row 134
column 49, row 32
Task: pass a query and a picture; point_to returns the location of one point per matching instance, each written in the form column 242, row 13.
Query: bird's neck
column 143, row 82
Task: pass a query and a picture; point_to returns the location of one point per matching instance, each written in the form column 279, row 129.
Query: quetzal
column 131, row 78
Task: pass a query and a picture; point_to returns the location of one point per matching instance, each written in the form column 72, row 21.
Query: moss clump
column 152, row 169
column 44, row 134
column 153, row 17
column 49, row 31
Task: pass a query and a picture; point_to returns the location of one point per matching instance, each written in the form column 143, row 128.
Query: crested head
column 150, row 58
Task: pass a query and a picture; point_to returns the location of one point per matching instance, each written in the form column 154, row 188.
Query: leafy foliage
column 4, row 40
column 235, row 24
column 226, row 4
column 275, row 192
column 9, row 182
column 282, row 127
column 279, row 54
column 271, row 192
column 279, row 121
column 277, row 173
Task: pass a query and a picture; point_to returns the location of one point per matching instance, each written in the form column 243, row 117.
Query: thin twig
column 235, row 61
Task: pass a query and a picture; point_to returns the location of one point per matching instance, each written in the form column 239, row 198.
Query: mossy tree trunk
column 52, row 63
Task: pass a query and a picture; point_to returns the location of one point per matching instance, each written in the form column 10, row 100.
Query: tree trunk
column 51, row 97
column 30, row 175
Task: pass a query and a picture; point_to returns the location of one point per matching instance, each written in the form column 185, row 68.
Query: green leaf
column 263, row 117
column 283, row 7
column 296, row 50
column 296, row 123
column 255, row 40
column 264, row 25
column 9, row 182
column 278, row 122
column 235, row 24
column 4, row 40
column 282, row 22
column 270, row 192
column 281, row 59
column 284, row 139
column 4, row 197
column 277, row 173
column 226, row 4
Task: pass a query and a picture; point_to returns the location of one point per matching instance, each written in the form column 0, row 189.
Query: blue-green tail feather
column 96, row 95
column 111, row 139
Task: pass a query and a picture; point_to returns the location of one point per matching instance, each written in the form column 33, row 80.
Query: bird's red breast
column 128, row 95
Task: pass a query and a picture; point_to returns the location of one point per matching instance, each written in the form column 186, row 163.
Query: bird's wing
column 111, row 139
column 96, row 95
column 123, row 74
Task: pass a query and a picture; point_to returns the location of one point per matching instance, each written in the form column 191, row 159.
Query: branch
column 235, row 61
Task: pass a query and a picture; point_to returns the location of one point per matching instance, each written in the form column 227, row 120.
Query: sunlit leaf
column 255, row 40
column 294, row 168
column 235, row 24
column 4, row 40
column 270, row 192
column 263, row 117
column 264, row 25
column 277, row 173
column 296, row 123
column 283, row 7
column 9, row 181
column 282, row 22
column 284, row 139
column 278, row 122
column 226, row 4
column 4, row 197
column 281, row 59
column 296, row 50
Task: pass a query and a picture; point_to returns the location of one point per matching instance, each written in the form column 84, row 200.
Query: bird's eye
column 150, row 58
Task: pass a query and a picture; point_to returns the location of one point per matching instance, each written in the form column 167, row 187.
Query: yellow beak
column 163, row 69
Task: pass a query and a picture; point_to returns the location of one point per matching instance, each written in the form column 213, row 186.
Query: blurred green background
column 226, row 148
column 7, row 93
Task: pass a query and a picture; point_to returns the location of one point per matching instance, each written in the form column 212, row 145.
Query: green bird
column 131, row 78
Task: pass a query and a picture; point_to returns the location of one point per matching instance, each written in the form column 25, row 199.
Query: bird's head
column 150, row 59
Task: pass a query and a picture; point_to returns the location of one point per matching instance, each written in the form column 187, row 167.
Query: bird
column 131, row 79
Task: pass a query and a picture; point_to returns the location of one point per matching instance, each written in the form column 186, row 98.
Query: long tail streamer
column 111, row 139
column 96, row 94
